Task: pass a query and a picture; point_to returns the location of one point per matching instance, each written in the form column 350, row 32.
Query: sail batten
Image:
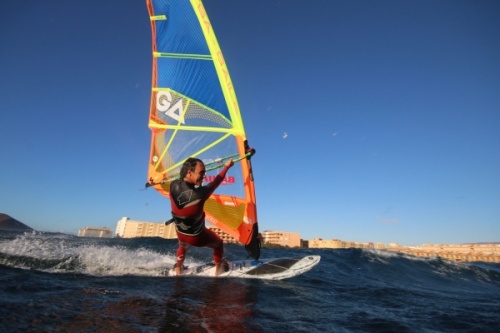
column 182, row 56
column 194, row 112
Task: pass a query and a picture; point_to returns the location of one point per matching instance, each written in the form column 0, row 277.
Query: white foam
column 86, row 258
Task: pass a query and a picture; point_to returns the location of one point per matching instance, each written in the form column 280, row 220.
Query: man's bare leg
column 221, row 267
column 179, row 268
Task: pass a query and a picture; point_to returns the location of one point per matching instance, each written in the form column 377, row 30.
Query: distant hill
column 8, row 223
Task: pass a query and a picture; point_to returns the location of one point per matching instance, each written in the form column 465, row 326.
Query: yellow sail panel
column 194, row 112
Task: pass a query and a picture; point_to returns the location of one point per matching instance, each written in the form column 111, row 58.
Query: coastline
column 484, row 252
column 456, row 252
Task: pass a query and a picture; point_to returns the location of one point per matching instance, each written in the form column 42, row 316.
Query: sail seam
column 192, row 128
column 182, row 55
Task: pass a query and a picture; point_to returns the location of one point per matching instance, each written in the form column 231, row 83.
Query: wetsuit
column 187, row 202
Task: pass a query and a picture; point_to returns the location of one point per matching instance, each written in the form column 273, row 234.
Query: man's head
column 193, row 171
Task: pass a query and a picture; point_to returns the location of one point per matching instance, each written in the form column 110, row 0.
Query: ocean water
column 62, row 283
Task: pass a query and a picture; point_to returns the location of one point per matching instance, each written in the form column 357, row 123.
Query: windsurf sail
column 194, row 112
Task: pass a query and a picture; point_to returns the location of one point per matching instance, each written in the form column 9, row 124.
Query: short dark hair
column 189, row 164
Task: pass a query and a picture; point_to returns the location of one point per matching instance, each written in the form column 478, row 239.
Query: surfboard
column 265, row 269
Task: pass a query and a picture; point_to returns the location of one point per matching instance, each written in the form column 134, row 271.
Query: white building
column 127, row 228
column 282, row 238
column 95, row 232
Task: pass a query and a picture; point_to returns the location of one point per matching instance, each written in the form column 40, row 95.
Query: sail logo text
column 164, row 104
column 226, row 181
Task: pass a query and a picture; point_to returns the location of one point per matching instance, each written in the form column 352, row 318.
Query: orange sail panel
column 194, row 112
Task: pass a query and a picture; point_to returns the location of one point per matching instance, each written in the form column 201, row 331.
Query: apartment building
column 282, row 238
column 95, row 232
column 226, row 238
column 127, row 228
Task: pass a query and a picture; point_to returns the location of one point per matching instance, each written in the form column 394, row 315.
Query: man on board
column 187, row 197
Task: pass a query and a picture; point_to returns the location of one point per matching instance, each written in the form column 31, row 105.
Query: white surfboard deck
column 267, row 269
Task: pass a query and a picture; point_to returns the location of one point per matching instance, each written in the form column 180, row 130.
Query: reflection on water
column 210, row 305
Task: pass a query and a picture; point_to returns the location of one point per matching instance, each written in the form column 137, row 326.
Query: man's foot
column 221, row 267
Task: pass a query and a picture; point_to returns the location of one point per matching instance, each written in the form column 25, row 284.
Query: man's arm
column 219, row 178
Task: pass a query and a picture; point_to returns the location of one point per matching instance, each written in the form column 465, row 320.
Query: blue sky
column 372, row 120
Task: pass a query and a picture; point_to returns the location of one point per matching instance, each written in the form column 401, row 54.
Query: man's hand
column 229, row 163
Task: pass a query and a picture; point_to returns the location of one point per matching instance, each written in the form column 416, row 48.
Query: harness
column 188, row 225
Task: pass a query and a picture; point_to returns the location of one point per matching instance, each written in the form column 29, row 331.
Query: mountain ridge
column 9, row 223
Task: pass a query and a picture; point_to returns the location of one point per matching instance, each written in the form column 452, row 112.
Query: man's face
column 196, row 176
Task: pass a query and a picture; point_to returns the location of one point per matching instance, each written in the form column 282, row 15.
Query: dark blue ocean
column 62, row 283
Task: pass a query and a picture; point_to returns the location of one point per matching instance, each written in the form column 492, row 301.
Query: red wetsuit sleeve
column 212, row 186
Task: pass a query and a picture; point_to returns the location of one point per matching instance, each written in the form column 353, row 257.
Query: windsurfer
column 187, row 197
